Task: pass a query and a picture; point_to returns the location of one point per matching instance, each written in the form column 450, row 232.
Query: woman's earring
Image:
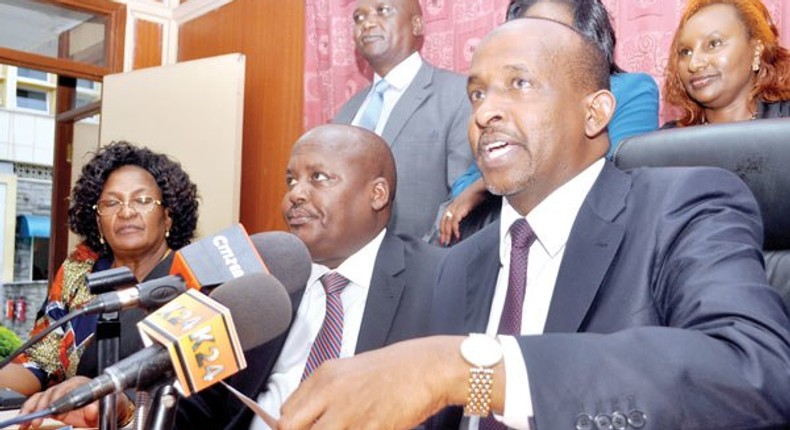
column 167, row 234
column 756, row 63
column 101, row 238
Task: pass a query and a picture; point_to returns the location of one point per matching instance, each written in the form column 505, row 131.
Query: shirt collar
column 358, row 268
column 401, row 75
column 552, row 219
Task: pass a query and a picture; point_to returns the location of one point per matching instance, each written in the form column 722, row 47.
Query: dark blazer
column 662, row 286
column 427, row 132
column 397, row 308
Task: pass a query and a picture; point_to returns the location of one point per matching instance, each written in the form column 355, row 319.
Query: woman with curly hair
column 132, row 207
column 726, row 64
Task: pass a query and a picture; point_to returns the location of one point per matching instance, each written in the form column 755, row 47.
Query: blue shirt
column 636, row 113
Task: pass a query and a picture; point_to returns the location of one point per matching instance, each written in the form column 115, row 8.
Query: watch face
column 481, row 350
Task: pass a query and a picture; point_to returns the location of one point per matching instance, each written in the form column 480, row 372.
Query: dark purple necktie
column 521, row 238
column 330, row 338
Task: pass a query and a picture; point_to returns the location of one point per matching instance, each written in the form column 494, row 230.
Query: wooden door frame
column 68, row 71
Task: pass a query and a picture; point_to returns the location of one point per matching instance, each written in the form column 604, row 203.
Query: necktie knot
column 333, row 283
column 521, row 234
column 372, row 113
column 381, row 87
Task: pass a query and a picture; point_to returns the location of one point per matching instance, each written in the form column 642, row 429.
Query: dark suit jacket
column 427, row 133
column 661, row 308
column 397, row 308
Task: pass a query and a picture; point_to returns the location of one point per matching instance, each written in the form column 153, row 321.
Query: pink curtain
column 333, row 71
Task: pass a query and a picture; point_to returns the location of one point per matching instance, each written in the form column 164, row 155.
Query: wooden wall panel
column 271, row 34
column 147, row 44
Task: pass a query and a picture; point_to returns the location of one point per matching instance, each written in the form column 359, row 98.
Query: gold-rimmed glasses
column 139, row 204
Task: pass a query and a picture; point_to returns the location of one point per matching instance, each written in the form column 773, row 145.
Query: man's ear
column 380, row 196
column 600, row 109
column 416, row 25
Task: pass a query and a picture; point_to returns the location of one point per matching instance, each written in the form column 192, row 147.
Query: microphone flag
column 200, row 337
column 218, row 258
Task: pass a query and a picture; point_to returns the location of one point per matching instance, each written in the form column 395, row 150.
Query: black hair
column 590, row 18
column 179, row 193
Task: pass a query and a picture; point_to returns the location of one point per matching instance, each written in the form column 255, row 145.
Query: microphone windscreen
column 286, row 257
column 260, row 306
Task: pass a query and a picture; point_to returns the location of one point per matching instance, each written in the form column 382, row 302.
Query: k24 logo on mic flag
column 200, row 336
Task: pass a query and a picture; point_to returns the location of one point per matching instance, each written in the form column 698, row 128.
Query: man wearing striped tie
column 368, row 288
column 601, row 299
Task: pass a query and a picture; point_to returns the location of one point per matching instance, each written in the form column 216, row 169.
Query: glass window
column 53, row 30
column 31, row 74
column 84, row 83
column 83, row 99
column 32, row 99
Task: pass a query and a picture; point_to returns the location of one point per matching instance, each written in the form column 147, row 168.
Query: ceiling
column 34, row 26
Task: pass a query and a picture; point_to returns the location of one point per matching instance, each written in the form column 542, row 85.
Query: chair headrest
column 757, row 151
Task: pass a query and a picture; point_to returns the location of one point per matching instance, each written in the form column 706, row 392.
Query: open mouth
column 496, row 150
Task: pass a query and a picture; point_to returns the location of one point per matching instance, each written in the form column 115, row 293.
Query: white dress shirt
column 287, row 372
column 399, row 78
column 552, row 221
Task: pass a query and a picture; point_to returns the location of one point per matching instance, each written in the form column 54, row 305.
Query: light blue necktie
column 370, row 116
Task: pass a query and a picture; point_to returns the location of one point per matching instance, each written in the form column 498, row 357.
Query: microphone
column 218, row 258
column 261, row 309
column 110, row 280
column 147, row 295
column 286, row 256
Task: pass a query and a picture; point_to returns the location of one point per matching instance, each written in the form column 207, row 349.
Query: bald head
column 386, row 32
column 366, row 151
column 341, row 183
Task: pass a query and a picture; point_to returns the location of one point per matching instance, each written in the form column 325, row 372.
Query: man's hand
column 83, row 417
column 458, row 209
column 396, row 387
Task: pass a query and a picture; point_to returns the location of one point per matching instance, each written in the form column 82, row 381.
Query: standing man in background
column 420, row 110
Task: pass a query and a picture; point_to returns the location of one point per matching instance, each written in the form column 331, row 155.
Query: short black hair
column 590, row 18
column 179, row 193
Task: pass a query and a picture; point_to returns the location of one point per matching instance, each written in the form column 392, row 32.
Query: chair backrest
column 757, row 151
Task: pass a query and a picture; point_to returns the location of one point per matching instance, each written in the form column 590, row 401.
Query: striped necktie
column 330, row 338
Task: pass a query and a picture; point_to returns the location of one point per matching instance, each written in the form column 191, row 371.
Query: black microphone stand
column 162, row 415
column 108, row 334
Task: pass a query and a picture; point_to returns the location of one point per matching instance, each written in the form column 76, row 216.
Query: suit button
column 603, row 422
column 619, row 421
column 637, row 419
column 584, row 422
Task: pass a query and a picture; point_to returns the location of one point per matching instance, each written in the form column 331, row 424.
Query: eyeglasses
column 141, row 205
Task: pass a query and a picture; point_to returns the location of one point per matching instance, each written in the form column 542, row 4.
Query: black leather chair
column 757, row 151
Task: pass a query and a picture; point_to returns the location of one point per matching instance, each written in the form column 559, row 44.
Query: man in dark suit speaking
column 419, row 109
column 621, row 299
column 368, row 287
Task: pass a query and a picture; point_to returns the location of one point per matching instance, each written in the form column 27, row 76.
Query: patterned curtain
column 334, row 72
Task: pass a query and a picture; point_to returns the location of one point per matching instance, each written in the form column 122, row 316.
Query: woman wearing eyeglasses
column 132, row 207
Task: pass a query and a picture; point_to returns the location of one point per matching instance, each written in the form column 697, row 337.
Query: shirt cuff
column 518, row 400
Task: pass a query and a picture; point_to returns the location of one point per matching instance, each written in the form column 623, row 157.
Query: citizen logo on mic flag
column 218, row 258
column 200, row 336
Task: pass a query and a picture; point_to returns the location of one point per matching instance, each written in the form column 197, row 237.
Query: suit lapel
column 386, row 288
column 349, row 110
column 593, row 243
column 411, row 99
column 482, row 272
